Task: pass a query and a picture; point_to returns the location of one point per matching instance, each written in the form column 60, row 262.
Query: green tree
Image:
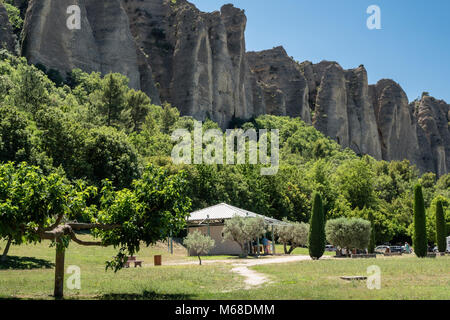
column 441, row 233
column 199, row 244
column 15, row 135
column 347, row 233
column 317, row 228
column 242, row 230
column 356, row 182
column 36, row 207
column 293, row 234
column 139, row 105
column 113, row 97
column 109, row 155
column 372, row 241
column 420, row 230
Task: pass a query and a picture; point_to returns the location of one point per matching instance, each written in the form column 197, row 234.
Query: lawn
column 30, row 276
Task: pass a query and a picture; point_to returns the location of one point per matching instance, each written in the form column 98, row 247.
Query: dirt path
column 255, row 279
column 241, row 267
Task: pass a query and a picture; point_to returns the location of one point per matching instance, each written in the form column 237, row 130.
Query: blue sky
column 413, row 46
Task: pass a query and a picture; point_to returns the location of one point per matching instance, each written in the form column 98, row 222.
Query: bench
column 133, row 260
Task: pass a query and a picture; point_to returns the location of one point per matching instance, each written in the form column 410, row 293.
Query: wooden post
column 273, row 242
column 257, row 245
column 59, row 270
column 171, row 242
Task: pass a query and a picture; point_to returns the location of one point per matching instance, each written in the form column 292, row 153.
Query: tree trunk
column 59, row 270
column 291, row 249
column 285, row 248
column 199, row 259
column 5, row 252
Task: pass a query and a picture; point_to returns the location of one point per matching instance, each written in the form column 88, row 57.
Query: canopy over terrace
column 215, row 216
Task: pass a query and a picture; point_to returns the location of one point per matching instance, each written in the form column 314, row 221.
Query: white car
column 381, row 249
column 329, row 247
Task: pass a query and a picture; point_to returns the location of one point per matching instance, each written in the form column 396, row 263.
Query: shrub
column 242, row 230
column 348, row 233
column 293, row 234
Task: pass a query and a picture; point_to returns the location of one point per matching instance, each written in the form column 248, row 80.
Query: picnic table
column 133, row 260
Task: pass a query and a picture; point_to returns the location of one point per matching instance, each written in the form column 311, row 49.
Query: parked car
column 329, row 247
column 396, row 249
column 381, row 249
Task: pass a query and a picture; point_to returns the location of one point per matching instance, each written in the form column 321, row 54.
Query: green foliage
column 15, row 135
column 14, row 16
column 32, row 201
column 64, row 126
column 372, row 240
column 199, row 244
column 441, row 232
column 316, row 242
column 356, row 180
column 347, row 233
column 109, row 155
column 242, row 230
column 293, row 234
column 420, row 242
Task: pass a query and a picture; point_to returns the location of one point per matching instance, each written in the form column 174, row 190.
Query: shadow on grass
column 146, row 295
column 25, row 263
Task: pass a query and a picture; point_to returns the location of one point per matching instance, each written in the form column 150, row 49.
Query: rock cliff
column 7, row 37
column 198, row 62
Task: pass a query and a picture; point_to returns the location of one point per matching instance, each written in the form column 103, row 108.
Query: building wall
column 221, row 247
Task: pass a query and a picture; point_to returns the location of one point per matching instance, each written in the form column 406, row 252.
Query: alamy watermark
column 374, row 278
column 374, row 20
column 222, row 150
column 74, row 281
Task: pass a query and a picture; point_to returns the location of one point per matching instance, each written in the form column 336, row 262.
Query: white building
column 212, row 220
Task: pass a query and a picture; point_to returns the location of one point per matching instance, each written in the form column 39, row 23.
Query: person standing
column 407, row 248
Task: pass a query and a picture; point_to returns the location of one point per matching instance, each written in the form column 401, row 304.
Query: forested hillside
column 93, row 128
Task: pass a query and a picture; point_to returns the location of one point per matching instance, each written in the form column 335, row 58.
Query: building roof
column 224, row 211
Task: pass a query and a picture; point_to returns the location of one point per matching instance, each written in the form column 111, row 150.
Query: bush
column 348, row 233
column 317, row 228
column 242, row 230
column 293, row 234
column 420, row 228
column 198, row 243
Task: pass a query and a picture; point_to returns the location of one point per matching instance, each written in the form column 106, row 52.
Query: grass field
column 30, row 275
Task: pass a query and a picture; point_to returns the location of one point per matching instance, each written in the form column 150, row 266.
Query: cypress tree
column 420, row 229
column 440, row 227
column 372, row 240
column 316, row 239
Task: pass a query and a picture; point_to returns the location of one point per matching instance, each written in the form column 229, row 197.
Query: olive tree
column 348, row 233
column 293, row 234
column 199, row 244
column 242, row 230
column 37, row 207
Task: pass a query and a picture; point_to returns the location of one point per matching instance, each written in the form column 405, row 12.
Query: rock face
column 433, row 133
column 342, row 106
column 396, row 123
column 103, row 43
column 198, row 62
column 7, row 37
column 285, row 88
column 198, row 59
